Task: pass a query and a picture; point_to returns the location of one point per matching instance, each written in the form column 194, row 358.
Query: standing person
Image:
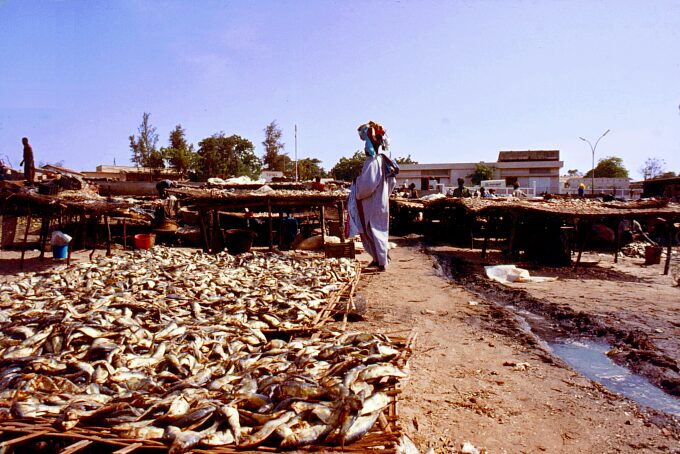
column 517, row 192
column 162, row 185
column 27, row 162
column 318, row 185
column 581, row 190
column 412, row 191
column 461, row 190
column 369, row 197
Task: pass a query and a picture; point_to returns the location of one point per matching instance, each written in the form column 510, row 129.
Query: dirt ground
column 477, row 376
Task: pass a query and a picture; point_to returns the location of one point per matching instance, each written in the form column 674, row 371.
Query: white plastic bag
column 60, row 238
column 506, row 274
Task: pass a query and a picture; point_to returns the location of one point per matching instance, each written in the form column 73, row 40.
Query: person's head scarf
column 372, row 134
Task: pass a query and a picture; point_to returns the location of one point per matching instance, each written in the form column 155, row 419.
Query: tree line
column 232, row 156
column 612, row 167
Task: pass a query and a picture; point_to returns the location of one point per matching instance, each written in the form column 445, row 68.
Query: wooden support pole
column 341, row 217
column 217, row 236
column 44, row 231
column 271, row 224
column 108, row 236
column 585, row 237
column 617, row 241
column 280, row 228
column 204, row 232
column 486, row 237
column 23, row 247
column 124, row 234
column 323, row 225
column 669, row 247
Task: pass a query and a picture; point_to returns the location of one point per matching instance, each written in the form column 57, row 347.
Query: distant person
column 517, row 192
column 491, row 194
column 290, row 229
column 318, row 185
column 460, row 191
column 369, row 197
column 412, row 191
column 581, row 190
column 162, row 185
column 27, row 162
column 482, row 193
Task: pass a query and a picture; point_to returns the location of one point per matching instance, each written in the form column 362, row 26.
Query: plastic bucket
column 144, row 240
column 60, row 252
column 652, row 255
column 239, row 241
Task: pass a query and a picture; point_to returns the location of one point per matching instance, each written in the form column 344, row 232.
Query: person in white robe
column 369, row 201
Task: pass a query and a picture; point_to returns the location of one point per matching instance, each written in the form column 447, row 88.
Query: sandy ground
column 477, row 376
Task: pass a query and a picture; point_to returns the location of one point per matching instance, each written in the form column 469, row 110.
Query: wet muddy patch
column 591, row 359
column 557, row 324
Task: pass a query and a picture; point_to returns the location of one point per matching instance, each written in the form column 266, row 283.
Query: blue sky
column 452, row 81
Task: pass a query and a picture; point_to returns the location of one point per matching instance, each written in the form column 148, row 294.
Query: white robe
column 372, row 191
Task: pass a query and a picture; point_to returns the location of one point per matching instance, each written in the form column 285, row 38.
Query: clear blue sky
column 451, row 81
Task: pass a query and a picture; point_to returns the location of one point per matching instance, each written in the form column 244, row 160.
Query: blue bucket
column 60, row 252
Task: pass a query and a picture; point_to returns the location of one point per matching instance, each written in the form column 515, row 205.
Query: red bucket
column 145, row 240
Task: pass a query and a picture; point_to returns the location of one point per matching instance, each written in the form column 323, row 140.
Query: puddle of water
column 590, row 359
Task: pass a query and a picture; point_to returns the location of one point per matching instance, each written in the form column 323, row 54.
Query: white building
column 619, row 187
column 536, row 169
column 269, row 175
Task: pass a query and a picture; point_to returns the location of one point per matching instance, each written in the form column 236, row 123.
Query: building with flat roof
column 537, row 169
column 129, row 173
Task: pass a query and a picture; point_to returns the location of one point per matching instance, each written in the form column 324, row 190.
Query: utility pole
column 592, row 149
column 296, row 160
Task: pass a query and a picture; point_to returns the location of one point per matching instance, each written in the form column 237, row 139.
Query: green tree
column 406, row 160
column 349, row 168
column 610, row 167
column 652, row 168
column 310, row 168
column 482, row 172
column 273, row 158
column 227, row 157
column 573, row 173
column 144, row 147
column 156, row 160
column 669, row 174
column 180, row 154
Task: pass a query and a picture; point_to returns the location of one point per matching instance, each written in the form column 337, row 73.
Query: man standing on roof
column 162, row 185
column 369, row 198
column 27, row 162
column 318, row 185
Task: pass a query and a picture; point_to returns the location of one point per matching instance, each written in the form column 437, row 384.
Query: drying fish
column 173, row 345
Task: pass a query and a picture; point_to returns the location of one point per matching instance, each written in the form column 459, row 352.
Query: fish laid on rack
column 170, row 345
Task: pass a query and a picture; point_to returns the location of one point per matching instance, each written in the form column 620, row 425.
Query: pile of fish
column 636, row 249
column 170, row 345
